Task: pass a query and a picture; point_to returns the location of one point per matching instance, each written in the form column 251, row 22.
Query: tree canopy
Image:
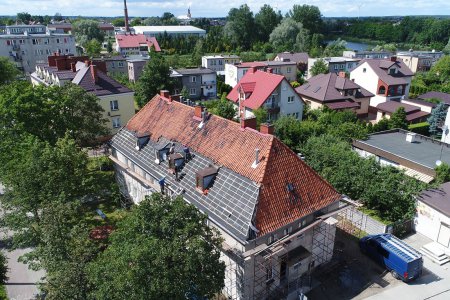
column 290, row 35
column 8, row 72
column 309, row 16
column 160, row 243
column 87, row 30
column 266, row 20
column 240, row 26
column 319, row 67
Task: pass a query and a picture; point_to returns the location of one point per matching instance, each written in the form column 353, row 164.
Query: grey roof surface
column 381, row 68
column 194, row 71
column 438, row 198
column 392, row 106
column 425, row 151
column 230, row 202
column 444, row 97
column 421, row 102
column 298, row 57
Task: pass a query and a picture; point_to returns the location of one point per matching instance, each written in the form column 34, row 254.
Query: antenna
column 359, row 9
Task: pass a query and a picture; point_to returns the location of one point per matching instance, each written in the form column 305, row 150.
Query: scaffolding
column 284, row 268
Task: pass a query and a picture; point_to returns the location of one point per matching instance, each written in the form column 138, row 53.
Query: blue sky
column 220, row 8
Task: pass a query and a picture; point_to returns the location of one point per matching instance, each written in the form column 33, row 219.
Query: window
column 289, row 70
column 193, row 79
column 57, row 41
column 336, row 67
column 392, row 71
column 114, row 104
column 296, row 115
column 381, row 90
column 116, row 122
column 364, row 70
column 290, row 99
column 192, row 91
column 112, row 65
column 120, row 64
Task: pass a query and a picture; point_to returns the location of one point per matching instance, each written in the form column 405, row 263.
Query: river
column 356, row 45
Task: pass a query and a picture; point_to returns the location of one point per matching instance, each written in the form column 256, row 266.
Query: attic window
column 142, row 140
column 176, row 161
column 204, row 178
column 293, row 195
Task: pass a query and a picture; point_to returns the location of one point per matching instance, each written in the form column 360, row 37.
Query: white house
column 217, row 62
column 387, row 79
column 335, row 64
column 185, row 30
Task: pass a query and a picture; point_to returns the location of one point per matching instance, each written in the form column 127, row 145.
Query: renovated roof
column 297, row 57
column 257, row 86
column 327, row 87
column 444, row 97
column 425, row 151
column 241, row 194
column 381, row 68
column 438, row 198
column 134, row 40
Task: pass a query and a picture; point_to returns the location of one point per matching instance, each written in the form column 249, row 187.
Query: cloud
column 220, row 8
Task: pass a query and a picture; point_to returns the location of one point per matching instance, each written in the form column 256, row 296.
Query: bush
column 3, row 268
column 420, row 128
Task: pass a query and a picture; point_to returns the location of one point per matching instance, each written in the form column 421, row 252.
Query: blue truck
column 403, row 261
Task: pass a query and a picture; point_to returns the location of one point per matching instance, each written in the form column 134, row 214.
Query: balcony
column 211, row 82
column 272, row 107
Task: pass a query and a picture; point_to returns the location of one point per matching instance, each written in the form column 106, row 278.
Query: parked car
column 403, row 261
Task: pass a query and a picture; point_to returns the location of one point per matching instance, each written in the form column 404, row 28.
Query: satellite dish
column 438, row 162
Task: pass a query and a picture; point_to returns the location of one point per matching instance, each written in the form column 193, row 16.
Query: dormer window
column 204, row 178
column 392, row 71
column 142, row 140
column 176, row 161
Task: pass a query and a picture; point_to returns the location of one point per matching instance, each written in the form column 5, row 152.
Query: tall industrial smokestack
column 127, row 28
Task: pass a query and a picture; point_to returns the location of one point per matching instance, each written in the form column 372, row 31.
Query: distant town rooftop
column 168, row 29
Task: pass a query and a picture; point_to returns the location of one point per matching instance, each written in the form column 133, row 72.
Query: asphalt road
column 22, row 281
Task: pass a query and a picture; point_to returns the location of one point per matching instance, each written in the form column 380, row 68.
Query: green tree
column 8, row 72
column 398, row 119
column 87, row 30
column 3, row 268
column 23, row 17
column 93, row 47
column 442, row 173
column 437, row 118
column 58, row 17
column 109, row 47
column 119, row 22
column 261, row 115
column 225, row 108
column 334, row 48
column 382, row 125
column 155, row 77
column 266, row 20
column 319, row 67
column 309, row 16
column 294, row 133
column 136, row 22
column 240, row 27
column 162, row 241
column 447, row 47
column 290, row 35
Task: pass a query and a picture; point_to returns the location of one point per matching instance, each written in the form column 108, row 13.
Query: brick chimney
column 94, row 73
column 251, row 70
column 248, row 123
column 269, row 70
column 267, row 128
column 198, row 109
column 164, row 93
column 393, row 58
column 86, row 63
column 52, row 60
column 73, row 66
column 342, row 74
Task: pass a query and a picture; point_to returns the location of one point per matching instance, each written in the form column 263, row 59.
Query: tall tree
column 319, row 67
column 290, row 35
column 266, row 20
column 155, row 77
column 87, row 30
column 23, row 17
column 334, row 48
column 398, row 119
column 8, row 72
column 437, row 118
column 240, row 26
column 309, row 16
column 161, row 242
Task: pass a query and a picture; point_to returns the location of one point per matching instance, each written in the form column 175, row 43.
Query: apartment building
column 419, row 60
column 366, row 54
column 217, row 62
column 200, row 83
column 175, row 31
column 28, row 45
column 274, row 213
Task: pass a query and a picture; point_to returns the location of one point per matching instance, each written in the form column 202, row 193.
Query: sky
column 220, row 8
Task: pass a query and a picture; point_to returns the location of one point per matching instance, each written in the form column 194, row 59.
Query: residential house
column 433, row 221
column 335, row 64
column 174, row 31
column 135, row 67
column 443, row 97
column 115, row 65
column 263, row 89
column 273, row 212
column 366, row 54
column 388, row 79
column 108, row 29
column 201, row 83
column 336, row 92
column 420, row 60
column 135, row 44
column 234, row 73
column 28, row 45
column 116, row 100
column 414, row 114
column 300, row 58
column 416, row 154
column 217, row 62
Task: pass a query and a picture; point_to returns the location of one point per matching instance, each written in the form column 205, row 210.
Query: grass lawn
column 375, row 215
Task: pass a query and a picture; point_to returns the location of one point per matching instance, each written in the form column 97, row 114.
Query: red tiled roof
column 133, row 41
column 259, row 84
column 225, row 143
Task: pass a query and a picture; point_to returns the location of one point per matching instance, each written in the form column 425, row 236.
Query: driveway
column 21, row 284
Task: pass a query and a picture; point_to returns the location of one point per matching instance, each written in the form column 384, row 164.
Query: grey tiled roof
column 230, row 202
column 444, row 97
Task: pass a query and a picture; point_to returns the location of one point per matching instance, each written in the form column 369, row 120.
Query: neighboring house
column 107, row 29
column 259, row 89
column 433, row 218
column 336, row 92
column 28, row 45
column 273, row 212
column 388, row 79
column 234, row 72
column 422, row 104
column 135, row 44
column 135, row 67
column 115, row 65
column 416, row 154
column 420, row 60
column 116, row 100
column 175, row 31
column 60, row 28
column 443, row 97
column 414, row 114
column 366, row 54
column 217, row 62
column 335, row 64
column 200, row 83
column 446, row 129
column 300, row 58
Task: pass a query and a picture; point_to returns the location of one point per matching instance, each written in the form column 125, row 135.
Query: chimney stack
column 164, row 93
column 411, row 137
column 94, row 73
column 269, row 70
column 127, row 28
column 51, row 60
column 393, row 58
column 256, row 162
column 252, row 70
column 198, row 109
column 248, row 123
column 267, row 128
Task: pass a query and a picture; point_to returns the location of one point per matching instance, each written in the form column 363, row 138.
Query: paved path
column 22, row 281
column 433, row 285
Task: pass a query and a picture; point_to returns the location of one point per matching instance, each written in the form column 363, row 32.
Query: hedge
column 420, row 128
